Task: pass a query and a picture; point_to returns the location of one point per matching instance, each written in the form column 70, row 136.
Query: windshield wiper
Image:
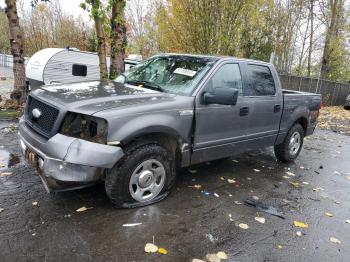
column 146, row 84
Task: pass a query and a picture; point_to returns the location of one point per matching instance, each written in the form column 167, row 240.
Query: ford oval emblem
column 36, row 113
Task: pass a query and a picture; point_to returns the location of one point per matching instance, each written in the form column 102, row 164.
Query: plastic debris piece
column 300, row 224
column 299, row 234
column 264, row 208
column 305, row 183
column 222, row 255
column 237, row 202
column 335, row 240
column 243, row 226
column 151, row 248
column 231, row 181
column 83, row 209
column 35, row 203
column 328, row 214
column 255, row 197
column 162, row 251
column 132, row 224
column 256, row 170
column 260, row 220
column 5, row 174
column 216, row 195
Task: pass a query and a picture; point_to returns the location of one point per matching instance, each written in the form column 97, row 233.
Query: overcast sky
column 70, row 7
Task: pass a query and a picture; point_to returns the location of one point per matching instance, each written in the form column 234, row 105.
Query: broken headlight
column 90, row 128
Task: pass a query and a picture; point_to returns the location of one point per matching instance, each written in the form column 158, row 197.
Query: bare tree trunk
column 16, row 43
column 101, row 44
column 118, row 39
column 311, row 37
column 335, row 13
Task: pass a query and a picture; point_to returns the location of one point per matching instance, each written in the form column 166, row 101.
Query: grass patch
column 9, row 114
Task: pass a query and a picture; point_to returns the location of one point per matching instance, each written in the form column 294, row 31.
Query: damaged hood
column 92, row 97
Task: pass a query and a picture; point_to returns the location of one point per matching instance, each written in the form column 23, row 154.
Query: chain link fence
column 333, row 93
column 7, row 60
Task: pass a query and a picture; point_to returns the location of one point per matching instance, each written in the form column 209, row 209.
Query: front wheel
column 144, row 176
column 292, row 144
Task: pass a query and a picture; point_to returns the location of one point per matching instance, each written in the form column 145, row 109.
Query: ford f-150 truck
column 169, row 112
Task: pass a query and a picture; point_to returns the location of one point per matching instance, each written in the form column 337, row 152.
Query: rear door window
column 79, row 70
column 261, row 81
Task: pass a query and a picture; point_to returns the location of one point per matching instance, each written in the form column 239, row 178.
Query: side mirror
column 221, row 96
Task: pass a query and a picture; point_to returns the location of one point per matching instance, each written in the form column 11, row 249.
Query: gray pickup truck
column 169, row 112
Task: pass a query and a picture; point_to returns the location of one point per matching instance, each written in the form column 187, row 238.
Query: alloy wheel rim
column 294, row 143
column 147, row 180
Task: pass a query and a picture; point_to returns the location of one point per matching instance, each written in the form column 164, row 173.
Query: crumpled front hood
column 92, row 97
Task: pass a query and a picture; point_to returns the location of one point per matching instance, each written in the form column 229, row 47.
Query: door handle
column 243, row 111
column 277, row 108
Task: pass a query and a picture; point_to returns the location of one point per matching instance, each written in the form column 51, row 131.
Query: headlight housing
column 90, row 128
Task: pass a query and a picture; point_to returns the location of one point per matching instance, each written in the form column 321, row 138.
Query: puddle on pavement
column 7, row 159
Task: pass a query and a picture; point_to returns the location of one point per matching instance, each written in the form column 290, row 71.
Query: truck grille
column 45, row 122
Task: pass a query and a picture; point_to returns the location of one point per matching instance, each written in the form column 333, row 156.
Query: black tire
column 282, row 151
column 347, row 107
column 118, row 178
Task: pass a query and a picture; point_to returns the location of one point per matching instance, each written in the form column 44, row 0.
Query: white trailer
column 66, row 65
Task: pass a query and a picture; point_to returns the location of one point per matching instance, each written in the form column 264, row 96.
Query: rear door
column 264, row 98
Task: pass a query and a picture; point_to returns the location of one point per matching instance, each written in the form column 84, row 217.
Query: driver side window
column 227, row 76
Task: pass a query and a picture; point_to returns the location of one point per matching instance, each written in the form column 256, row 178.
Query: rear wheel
column 292, row 144
column 144, row 176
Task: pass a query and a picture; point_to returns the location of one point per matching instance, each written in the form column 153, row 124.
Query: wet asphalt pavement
column 191, row 222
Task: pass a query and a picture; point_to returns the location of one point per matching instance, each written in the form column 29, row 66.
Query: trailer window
column 79, row 70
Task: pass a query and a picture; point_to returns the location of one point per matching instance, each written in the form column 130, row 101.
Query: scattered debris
column 301, row 167
column 255, row 197
column 231, row 181
column 286, row 177
column 279, row 246
column 212, row 258
column 1, row 209
column 237, row 202
column 260, row 220
column 197, row 260
column 335, row 240
column 192, row 171
column 69, row 215
column 256, row 170
column 151, row 248
column 222, row 178
column 328, row 214
column 249, row 178
column 317, row 189
column 132, row 224
column 347, row 221
column 83, row 209
column 305, row 183
column 243, row 226
column 299, row 234
column 265, row 208
column 300, row 224
column 206, row 193
column 236, row 161
column 216, row 195
column 5, row 174
column 35, row 203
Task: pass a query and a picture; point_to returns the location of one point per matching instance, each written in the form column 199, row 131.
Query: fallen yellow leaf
column 300, row 224
column 151, row 248
column 335, row 240
column 5, row 174
column 162, row 251
column 222, row 255
column 295, row 184
column 83, row 209
column 328, row 214
column 243, row 226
